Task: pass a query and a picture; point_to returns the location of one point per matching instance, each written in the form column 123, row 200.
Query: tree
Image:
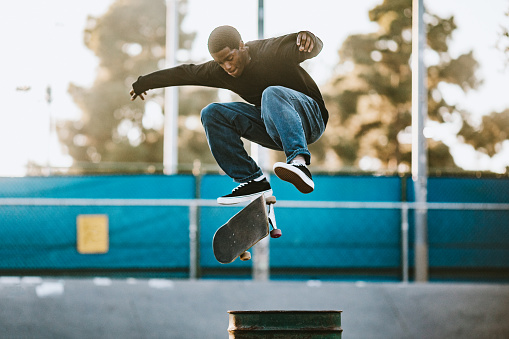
column 370, row 98
column 129, row 40
column 490, row 134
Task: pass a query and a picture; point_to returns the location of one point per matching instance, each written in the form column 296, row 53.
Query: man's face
column 233, row 61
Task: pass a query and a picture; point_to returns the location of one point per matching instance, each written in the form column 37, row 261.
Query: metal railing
column 194, row 204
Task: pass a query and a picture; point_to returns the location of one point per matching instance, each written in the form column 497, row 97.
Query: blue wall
column 467, row 238
column 44, row 237
column 321, row 238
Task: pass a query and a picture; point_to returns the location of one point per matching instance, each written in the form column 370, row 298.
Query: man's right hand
column 134, row 95
column 306, row 41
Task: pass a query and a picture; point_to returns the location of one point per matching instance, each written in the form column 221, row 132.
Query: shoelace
column 240, row 186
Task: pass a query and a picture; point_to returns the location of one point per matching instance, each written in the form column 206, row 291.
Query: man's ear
column 241, row 45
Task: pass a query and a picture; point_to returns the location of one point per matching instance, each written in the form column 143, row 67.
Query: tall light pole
column 419, row 147
column 49, row 100
column 261, row 20
column 259, row 153
column 171, row 104
column 261, row 269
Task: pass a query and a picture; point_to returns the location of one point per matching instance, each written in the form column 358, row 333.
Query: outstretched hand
column 305, row 41
column 134, row 95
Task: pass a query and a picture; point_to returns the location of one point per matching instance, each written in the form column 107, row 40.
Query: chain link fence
column 349, row 228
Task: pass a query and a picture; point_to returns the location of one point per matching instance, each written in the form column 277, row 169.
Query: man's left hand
column 134, row 95
column 305, row 41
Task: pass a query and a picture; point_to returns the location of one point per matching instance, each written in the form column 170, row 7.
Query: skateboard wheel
column 270, row 200
column 275, row 233
column 245, row 256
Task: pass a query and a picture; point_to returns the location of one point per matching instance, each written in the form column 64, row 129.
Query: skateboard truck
column 275, row 232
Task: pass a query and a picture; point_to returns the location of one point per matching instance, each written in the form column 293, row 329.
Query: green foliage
column 488, row 137
column 370, row 99
column 129, row 40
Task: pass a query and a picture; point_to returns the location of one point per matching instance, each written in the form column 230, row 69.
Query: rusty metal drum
column 284, row 324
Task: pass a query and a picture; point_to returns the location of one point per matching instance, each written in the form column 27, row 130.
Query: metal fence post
column 193, row 242
column 404, row 241
column 171, row 97
column 260, row 154
column 419, row 148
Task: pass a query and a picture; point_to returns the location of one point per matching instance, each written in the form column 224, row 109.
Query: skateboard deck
column 243, row 230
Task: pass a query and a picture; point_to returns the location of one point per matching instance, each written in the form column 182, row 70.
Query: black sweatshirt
column 274, row 62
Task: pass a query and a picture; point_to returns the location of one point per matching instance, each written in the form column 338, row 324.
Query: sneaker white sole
column 236, row 200
column 294, row 176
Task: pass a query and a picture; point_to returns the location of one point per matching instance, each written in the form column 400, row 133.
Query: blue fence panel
column 343, row 188
column 211, row 218
column 44, row 237
column 319, row 237
column 339, row 238
column 466, row 238
column 109, row 186
column 487, row 190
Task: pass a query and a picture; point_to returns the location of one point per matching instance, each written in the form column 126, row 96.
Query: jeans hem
column 302, row 151
column 258, row 174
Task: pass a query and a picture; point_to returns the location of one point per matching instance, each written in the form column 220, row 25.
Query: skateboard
column 244, row 230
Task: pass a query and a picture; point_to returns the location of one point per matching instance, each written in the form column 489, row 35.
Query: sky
column 42, row 45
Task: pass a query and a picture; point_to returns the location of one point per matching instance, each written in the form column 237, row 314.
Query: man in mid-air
column 284, row 109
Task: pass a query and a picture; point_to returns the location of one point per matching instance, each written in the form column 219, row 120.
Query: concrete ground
column 32, row 307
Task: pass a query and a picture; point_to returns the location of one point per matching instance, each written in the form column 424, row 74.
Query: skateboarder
column 284, row 109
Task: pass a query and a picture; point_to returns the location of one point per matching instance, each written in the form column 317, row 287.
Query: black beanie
column 223, row 36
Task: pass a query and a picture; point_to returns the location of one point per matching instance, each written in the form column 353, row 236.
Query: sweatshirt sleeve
column 187, row 74
column 289, row 50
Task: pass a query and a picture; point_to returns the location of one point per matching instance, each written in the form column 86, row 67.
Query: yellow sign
column 92, row 233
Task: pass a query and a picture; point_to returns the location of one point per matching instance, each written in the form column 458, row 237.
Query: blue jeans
column 286, row 121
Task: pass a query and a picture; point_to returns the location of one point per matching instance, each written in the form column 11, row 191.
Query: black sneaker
column 246, row 191
column 296, row 174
